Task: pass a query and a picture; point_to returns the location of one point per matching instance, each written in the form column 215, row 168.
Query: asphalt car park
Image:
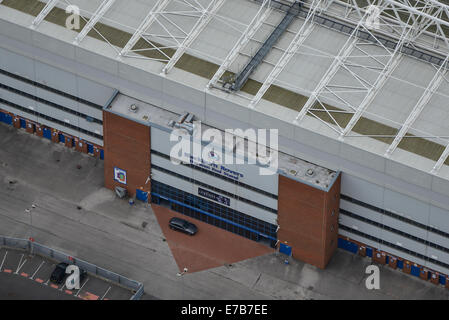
column 16, row 265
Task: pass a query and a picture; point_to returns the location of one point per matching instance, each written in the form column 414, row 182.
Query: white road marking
column 42, row 263
column 105, row 293
column 76, row 295
column 4, row 258
column 18, row 267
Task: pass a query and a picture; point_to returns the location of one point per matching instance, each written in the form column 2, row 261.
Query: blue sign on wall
column 214, row 196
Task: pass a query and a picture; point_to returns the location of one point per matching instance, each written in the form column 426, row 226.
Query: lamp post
column 30, row 212
column 180, row 274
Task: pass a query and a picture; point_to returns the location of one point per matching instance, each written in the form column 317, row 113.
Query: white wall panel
column 17, row 99
column 193, row 189
column 439, row 219
column 160, row 141
column 18, row 64
column 215, row 181
column 361, row 211
column 362, row 190
column 56, row 78
column 17, row 84
column 406, row 206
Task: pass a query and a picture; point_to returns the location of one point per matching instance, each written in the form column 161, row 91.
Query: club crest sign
column 120, row 175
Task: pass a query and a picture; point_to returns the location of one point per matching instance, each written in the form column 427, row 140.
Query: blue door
column 101, row 154
column 2, row 117
column 61, row 138
column 47, row 133
column 23, row 123
column 285, row 249
column 415, row 271
column 7, row 119
column 141, row 195
column 90, row 148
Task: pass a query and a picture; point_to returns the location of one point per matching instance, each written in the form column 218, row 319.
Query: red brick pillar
column 308, row 220
column 126, row 151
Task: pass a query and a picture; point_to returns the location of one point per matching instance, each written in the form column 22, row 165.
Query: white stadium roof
column 380, row 87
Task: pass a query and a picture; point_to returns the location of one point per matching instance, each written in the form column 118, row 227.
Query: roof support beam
column 303, row 33
column 199, row 26
column 419, row 107
column 393, row 62
column 149, row 19
column 344, row 53
column 414, row 10
column 441, row 160
column 41, row 16
column 98, row 14
column 254, row 25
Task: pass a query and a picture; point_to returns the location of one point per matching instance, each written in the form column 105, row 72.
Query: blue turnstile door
column 47, row 133
column 285, row 249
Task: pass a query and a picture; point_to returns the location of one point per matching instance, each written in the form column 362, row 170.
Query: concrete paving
column 75, row 214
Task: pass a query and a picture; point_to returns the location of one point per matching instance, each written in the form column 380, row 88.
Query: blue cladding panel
column 348, row 245
column 285, row 249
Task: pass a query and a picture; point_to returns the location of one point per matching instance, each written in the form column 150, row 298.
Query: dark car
column 183, row 226
column 58, row 275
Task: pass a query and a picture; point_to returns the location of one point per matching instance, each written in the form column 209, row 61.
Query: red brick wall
column 305, row 219
column 126, row 146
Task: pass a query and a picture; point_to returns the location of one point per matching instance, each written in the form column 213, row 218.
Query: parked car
column 183, row 226
column 58, row 275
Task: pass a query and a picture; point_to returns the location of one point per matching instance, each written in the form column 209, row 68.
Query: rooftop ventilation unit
column 133, row 108
column 310, row 172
